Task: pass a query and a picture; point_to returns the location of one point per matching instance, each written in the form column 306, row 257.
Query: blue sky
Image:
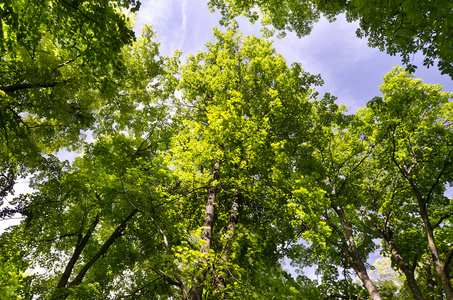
column 351, row 70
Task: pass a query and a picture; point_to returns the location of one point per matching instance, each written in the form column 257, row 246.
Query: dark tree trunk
column 24, row 86
column 75, row 256
column 408, row 272
column 439, row 266
column 78, row 279
column 115, row 235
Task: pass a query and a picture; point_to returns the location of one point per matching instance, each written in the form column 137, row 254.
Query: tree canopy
column 57, row 57
column 205, row 174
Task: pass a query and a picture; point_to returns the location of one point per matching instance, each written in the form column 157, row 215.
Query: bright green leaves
column 240, row 94
column 12, row 269
column 282, row 15
column 61, row 63
column 289, row 165
column 242, row 106
column 414, row 147
column 381, row 173
column 414, row 126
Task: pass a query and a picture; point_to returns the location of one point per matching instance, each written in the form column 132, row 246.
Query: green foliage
column 382, row 174
column 12, row 269
column 243, row 107
column 90, row 207
column 57, row 58
column 203, row 176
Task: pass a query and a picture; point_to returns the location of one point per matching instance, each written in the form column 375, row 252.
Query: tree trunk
column 233, row 215
column 196, row 292
column 440, row 267
column 356, row 261
column 24, row 86
column 220, row 278
column 115, row 235
column 210, row 210
column 194, row 295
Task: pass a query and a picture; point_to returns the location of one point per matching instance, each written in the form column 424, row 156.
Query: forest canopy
column 206, row 172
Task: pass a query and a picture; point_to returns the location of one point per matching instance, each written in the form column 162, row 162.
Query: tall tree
column 79, row 214
column 384, row 172
column 397, row 26
column 414, row 145
column 243, row 108
column 327, row 200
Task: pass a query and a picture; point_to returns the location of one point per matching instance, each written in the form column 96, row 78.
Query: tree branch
column 115, row 235
column 75, row 256
column 23, row 86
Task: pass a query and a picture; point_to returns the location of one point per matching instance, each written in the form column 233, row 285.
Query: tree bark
column 116, row 234
column 220, row 278
column 196, row 292
column 194, row 295
column 210, row 210
column 233, row 215
column 408, row 272
column 23, row 86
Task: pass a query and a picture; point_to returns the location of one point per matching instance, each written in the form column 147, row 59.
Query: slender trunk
column 357, row 264
column 233, row 215
column 440, row 267
column 75, row 256
column 210, row 210
column 363, row 275
column 194, row 295
column 196, row 292
column 23, row 86
column 220, row 278
column 408, row 272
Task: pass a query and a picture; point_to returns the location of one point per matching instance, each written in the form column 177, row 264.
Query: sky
column 351, row 70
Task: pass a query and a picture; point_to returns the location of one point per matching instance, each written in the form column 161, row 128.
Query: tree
column 326, row 199
column 57, row 57
column 384, row 173
column 203, row 176
column 61, row 230
column 242, row 109
column 414, row 147
column 397, row 26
